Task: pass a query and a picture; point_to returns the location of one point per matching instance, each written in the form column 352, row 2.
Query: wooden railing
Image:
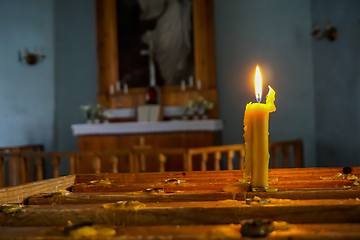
column 14, row 165
column 217, row 152
column 134, row 157
column 23, row 148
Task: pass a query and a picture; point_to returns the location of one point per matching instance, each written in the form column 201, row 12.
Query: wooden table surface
column 316, row 207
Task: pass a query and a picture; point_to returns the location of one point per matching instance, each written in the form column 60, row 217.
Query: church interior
column 148, row 118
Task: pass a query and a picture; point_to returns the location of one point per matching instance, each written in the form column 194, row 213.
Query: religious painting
column 155, row 40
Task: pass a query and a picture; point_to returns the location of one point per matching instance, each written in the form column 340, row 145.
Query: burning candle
column 256, row 128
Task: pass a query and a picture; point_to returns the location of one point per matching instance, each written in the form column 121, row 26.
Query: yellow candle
column 256, row 127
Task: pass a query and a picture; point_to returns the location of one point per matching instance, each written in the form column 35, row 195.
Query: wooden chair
column 287, row 150
column 217, row 151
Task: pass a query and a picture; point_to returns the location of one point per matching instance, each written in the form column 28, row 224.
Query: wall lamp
column 330, row 32
column 31, row 58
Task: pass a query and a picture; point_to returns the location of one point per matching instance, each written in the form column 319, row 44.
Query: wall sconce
column 31, row 58
column 329, row 32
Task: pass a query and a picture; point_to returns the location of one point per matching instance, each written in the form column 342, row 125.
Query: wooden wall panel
column 107, row 50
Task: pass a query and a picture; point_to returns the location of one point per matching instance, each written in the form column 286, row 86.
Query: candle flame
column 258, row 84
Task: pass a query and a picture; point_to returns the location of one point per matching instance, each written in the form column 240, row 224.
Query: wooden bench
column 194, row 207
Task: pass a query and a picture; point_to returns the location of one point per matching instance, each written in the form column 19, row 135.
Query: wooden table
column 196, row 207
column 167, row 134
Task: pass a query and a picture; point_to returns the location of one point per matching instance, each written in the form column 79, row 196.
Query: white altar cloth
column 211, row 125
column 167, row 111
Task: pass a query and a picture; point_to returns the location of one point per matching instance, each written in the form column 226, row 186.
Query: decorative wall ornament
column 31, row 58
column 330, row 32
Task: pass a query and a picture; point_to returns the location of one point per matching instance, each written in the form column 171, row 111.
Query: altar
column 164, row 134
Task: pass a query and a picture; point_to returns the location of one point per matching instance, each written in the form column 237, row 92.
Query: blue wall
column 39, row 103
column 276, row 35
column 76, row 68
column 337, row 84
column 26, row 92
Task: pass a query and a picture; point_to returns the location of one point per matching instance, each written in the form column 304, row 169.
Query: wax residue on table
column 237, row 188
column 280, row 225
column 102, row 181
column 341, row 176
column 90, row 231
column 224, row 232
column 279, row 200
column 11, row 208
column 56, row 193
column 271, row 189
column 125, row 205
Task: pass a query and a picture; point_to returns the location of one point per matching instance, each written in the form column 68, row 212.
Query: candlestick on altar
column 118, row 86
column 125, row 88
column 198, row 84
column 256, row 134
column 183, row 86
column 111, row 90
column 191, row 81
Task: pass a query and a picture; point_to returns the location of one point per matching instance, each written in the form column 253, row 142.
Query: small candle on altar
column 256, row 134
column 111, row 89
column 198, row 84
column 125, row 88
column 191, row 81
column 118, row 86
column 183, row 86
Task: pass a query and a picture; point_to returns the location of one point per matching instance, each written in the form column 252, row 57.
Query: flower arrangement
column 87, row 110
column 204, row 106
column 95, row 113
column 198, row 108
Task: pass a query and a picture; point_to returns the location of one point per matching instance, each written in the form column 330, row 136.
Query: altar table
column 165, row 134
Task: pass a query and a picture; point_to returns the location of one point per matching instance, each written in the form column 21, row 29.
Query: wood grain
column 18, row 194
column 188, row 196
column 186, row 213
column 193, row 186
column 212, row 176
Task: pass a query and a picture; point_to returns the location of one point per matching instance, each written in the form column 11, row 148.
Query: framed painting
column 173, row 38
